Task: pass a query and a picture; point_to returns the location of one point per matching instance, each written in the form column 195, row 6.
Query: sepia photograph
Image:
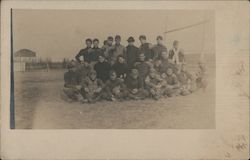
column 113, row 69
column 124, row 80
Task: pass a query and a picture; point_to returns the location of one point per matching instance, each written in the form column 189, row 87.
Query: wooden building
column 22, row 57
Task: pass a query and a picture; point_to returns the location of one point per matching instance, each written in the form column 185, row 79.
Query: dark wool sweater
column 85, row 53
column 145, row 48
column 102, row 70
column 111, row 84
column 131, row 55
column 165, row 65
column 95, row 53
column 120, row 69
column 71, row 79
column 157, row 50
column 143, row 69
column 132, row 83
column 183, row 77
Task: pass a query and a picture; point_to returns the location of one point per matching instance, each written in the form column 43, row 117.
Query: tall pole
column 12, row 104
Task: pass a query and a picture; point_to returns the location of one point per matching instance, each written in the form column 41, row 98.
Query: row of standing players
column 111, row 51
column 162, row 75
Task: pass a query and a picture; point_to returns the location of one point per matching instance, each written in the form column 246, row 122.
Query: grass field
column 38, row 105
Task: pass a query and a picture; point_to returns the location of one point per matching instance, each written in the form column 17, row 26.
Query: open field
column 38, row 105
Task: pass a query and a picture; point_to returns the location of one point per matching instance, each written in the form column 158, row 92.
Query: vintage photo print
column 91, row 69
column 124, row 80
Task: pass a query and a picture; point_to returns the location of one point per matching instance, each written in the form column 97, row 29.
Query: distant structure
column 22, row 57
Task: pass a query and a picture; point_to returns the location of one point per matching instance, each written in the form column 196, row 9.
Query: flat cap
column 110, row 38
column 142, row 37
column 117, row 37
column 131, row 39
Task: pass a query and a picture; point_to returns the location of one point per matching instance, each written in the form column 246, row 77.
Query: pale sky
column 61, row 34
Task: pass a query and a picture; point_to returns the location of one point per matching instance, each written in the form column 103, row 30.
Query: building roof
column 25, row 53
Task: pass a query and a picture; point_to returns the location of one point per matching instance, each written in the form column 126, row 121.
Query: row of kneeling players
column 89, row 84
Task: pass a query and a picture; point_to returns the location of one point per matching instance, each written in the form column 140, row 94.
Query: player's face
column 169, row 71
column 92, row 76
column 72, row 69
column 142, row 40
column 121, row 60
column 164, row 55
column 96, row 44
column 113, row 76
column 101, row 59
column 152, row 74
column 183, row 68
column 130, row 43
column 88, row 43
column 141, row 57
column 163, row 75
column 159, row 41
column 110, row 42
column 134, row 76
column 117, row 41
column 157, row 63
column 176, row 46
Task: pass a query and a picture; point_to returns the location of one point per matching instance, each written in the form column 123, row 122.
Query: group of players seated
column 159, row 75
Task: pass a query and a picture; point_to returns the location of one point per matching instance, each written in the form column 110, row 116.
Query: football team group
column 117, row 73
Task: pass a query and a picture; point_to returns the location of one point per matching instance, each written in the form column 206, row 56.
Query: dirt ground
column 38, row 105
